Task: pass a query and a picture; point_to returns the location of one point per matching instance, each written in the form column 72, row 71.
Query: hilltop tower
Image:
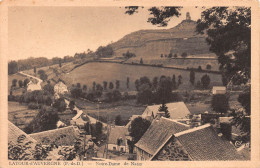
column 188, row 16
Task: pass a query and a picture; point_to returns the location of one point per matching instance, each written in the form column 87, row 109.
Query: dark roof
column 159, row 133
column 14, row 132
column 65, row 136
column 116, row 133
column 203, row 143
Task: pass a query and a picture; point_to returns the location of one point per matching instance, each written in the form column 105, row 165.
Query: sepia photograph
column 129, row 83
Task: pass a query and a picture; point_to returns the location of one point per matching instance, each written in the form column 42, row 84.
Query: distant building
column 218, row 90
column 81, row 121
column 117, row 140
column 60, row 88
column 177, row 110
column 31, row 86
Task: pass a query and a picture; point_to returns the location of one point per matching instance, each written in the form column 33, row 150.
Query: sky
column 61, row 31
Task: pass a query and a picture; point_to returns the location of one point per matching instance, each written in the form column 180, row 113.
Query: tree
column 25, row 82
column 49, row 88
column 105, row 85
column 85, row 88
column 199, row 68
column 137, row 84
column 205, row 81
column 76, row 92
column 138, row 127
column 94, row 86
column 245, row 100
column 60, row 105
column 175, row 55
column 12, row 67
column 60, row 63
column 228, row 32
column 141, row 61
column 118, row 120
column 174, row 82
column 106, row 51
column 208, row 67
column 164, row 91
column 99, row 127
column 155, row 83
column 161, row 55
column 144, row 95
column 45, row 120
column 219, row 103
column 164, row 108
column 78, row 85
column 184, row 54
column 192, row 77
column 117, row 84
column 127, row 82
column 111, row 85
column 170, row 55
column 160, row 15
column 34, row 70
column 179, row 80
column 20, row 82
column 71, row 105
column 14, row 82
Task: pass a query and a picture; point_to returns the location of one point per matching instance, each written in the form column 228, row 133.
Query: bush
column 205, row 80
column 33, row 106
column 219, row 103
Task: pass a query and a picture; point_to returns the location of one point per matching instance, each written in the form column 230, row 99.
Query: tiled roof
column 116, row 133
column 65, row 136
column 203, row 143
column 14, row 132
column 158, row 133
column 177, row 110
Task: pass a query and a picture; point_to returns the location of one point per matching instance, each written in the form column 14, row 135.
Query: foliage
column 208, row 67
column 49, row 88
column 78, row 85
column 12, row 67
column 184, row 54
column 118, row 120
column 164, row 91
column 192, row 77
column 113, row 96
column 25, row 82
column 228, row 32
column 60, row 105
column 76, row 92
column 111, row 85
column 144, row 95
column 164, row 108
column 14, row 82
column 36, row 96
column 105, row 85
column 138, row 127
column 33, row 106
column 128, row 55
column 205, row 81
column 219, row 103
column 20, row 82
column 72, row 105
column 106, row 51
column 141, row 61
column 84, row 88
column 179, row 80
column 45, row 120
column 117, row 84
column 245, row 100
column 127, row 82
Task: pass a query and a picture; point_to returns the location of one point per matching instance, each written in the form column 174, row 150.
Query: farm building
column 177, row 110
column 156, row 136
column 218, row 90
column 31, row 86
column 65, row 136
column 81, row 121
column 60, row 88
column 117, row 140
column 196, row 144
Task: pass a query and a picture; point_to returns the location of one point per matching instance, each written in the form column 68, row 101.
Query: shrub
column 33, row 106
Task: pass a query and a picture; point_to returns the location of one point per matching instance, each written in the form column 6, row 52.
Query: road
column 79, row 112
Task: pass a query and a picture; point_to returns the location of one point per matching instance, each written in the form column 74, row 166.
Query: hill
column 153, row 43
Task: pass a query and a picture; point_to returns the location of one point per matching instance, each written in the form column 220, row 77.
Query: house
column 81, row 121
column 156, row 136
column 218, row 90
column 60, row 88
column 65, row 136
column 196, row 144
column 32, row 86
column 177, row 110
column 117, row 140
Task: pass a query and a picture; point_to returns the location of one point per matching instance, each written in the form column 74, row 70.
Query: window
column 122, row 149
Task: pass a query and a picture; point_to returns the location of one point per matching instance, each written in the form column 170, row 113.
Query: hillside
column 153, row 43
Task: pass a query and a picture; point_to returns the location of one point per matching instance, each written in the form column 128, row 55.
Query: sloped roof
column 158, row 133
column 177, row 110
column 116, row 133
column 14, row 132
column 203, row 143
column 65, row 136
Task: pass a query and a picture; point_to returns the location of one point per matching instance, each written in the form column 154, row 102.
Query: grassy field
column 110, row 72
column 20, row 115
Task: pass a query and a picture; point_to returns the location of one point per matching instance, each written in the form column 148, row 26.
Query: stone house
column 117, row 140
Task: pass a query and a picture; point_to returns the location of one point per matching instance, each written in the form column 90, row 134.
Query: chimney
column 188, row 16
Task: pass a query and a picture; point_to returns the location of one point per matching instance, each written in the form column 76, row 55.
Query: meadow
column 110, row 72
